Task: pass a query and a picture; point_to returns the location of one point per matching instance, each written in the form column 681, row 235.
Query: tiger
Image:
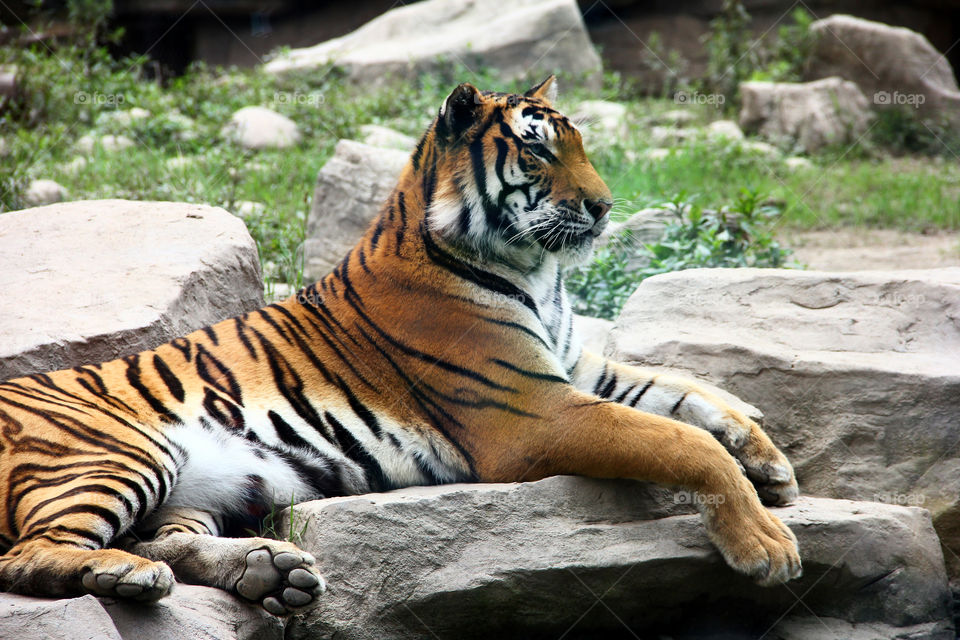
column 441, row 349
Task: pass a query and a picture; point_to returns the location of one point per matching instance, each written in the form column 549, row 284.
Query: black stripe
column 169, row 379
column 352, row 448
column 625, row 393
column 212, row 335
column 287, row 434
column 527, row 373
column 477, row 276
column 649, row 384
column 103, row 513
column 677, row 405
column 215, row 373
column 611, row 385
column 241, row 333
column 601, row 381
column 518, row 327
column 133, row 377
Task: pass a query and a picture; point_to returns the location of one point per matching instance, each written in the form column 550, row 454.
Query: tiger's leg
column 60, row 551
column 685, row 400
column 273, row 573
column 575, row 433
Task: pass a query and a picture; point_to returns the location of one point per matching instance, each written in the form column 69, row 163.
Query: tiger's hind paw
column 146, row 582
column 281, row 579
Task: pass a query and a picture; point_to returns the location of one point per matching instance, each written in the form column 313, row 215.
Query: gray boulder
column 23, row 618
column 515, row 39
column 193, row 612
column 258, row 128
column 591, row 558
column 809, row 114
column 376, row 135
column 892, row 65
column 858, row 373
column 351, row 188
column 90, row 281
column 593, row 332
column 189, row 612
column 41, row 192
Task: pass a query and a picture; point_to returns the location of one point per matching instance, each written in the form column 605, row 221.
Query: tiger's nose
column 596, row 208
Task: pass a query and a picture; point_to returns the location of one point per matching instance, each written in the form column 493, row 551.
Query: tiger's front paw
column 280, row 577
column 766, row 467
column 754, row 541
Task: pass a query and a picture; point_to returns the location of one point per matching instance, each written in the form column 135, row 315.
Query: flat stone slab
column 581, row 557
column 90, row 281
column 857, row 373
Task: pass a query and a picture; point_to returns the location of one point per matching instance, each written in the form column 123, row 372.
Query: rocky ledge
column 565, row 556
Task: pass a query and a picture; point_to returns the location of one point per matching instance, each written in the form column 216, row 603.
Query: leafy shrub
column 735, row 236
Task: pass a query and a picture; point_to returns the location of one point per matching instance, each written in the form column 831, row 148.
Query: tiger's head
column 512, row 181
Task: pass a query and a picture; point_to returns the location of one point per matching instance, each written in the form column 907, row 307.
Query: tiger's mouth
column 568, row 229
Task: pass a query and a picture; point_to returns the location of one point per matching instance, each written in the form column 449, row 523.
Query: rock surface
column 110, row 143
column 376, row 135
column 858, row 373
column 593, row 332
column 261, row 128
column 193, row 612
column 539, row 559
column 197, row 613
column 810, row 114
column 41, row 192
column 90, row 281
column 514, row 39
column 892, row 65
column 351, row 188
column 23, row 618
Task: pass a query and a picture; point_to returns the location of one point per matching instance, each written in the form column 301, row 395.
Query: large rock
column 893, row 65
column 84, row 282
column 514, row 39
column 23, row 618
column 605, row 559
column 351, row 188
column 258, row 128
column 41, row 192
column 810, row 114
column 189, row 612
column 858, row 373
column 193, row 612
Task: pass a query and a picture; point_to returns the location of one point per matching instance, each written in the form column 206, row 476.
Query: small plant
column 902, row 130
column 272, row 524
column 783, row 59
column 734, row 236
column 731, row 55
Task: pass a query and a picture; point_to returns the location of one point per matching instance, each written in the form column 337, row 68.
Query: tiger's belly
column 278, row 456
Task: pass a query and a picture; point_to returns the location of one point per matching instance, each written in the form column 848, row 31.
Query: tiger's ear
column 546, row 90
column 460, row 109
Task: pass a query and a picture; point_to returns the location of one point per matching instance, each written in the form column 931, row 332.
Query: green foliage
column 731, row 55
column 738, row 235
column 784, row 57
column 273, row 525
column 902, row 130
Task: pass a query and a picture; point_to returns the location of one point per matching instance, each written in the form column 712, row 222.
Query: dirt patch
column 870, row 249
